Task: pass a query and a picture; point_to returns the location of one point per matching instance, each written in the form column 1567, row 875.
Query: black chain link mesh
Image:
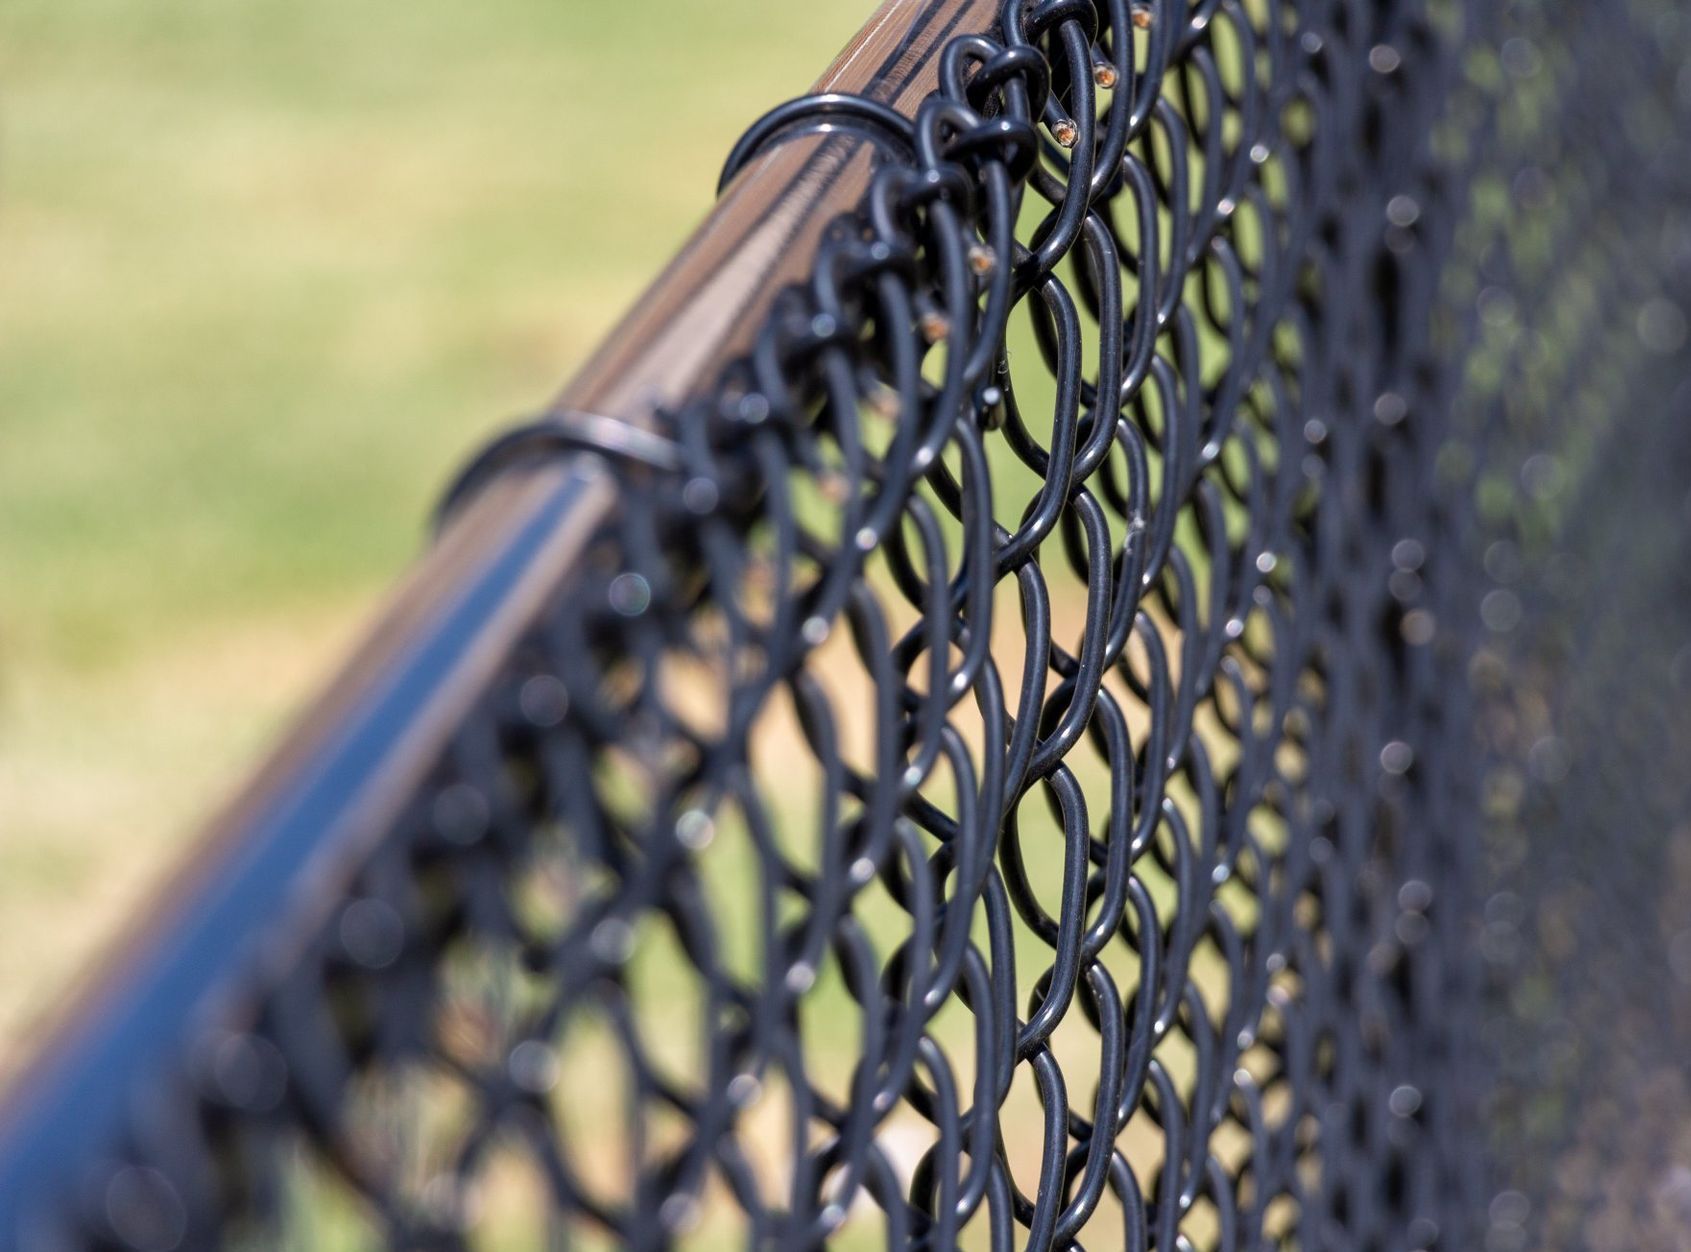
column 1004, row 777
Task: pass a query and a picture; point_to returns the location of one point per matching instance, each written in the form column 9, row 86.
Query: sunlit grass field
column 267, row 270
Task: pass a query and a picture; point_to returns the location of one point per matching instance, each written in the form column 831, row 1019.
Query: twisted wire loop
column 1001, row 778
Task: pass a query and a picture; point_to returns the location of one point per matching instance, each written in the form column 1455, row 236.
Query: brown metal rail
column 698, row 315
column 278, row 857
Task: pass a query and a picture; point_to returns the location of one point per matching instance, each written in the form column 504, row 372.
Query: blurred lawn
column 268, row 268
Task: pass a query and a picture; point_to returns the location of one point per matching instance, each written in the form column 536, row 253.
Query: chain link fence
column 1141, row 712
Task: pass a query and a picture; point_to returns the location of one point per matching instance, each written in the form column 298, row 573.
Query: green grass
column 267, row 270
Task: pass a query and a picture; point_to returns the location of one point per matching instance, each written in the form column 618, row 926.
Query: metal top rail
column 274, row 859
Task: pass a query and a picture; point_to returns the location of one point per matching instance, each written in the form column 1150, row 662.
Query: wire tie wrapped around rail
column 566, row 431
